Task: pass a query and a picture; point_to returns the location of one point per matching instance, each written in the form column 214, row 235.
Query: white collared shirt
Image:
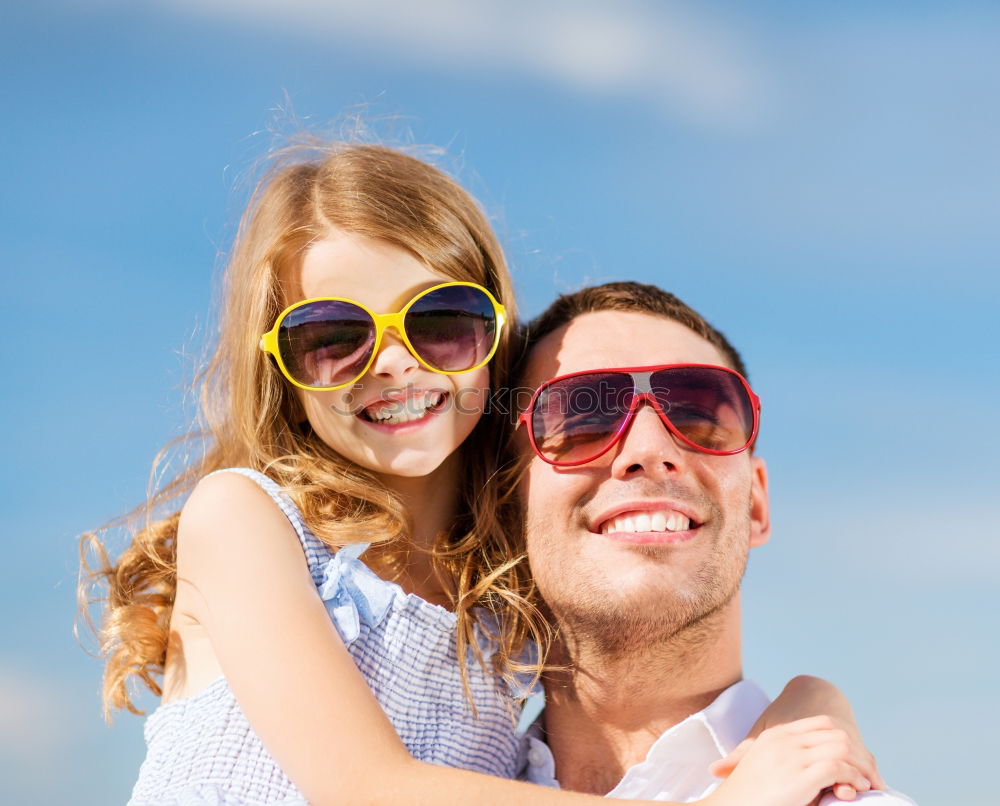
column 676, row 766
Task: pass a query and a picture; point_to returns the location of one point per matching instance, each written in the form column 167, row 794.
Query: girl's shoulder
column 229, row 514
column 245, row 528
column 230, row 503
column 239, row 511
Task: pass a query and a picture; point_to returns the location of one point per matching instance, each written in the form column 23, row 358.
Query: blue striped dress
column 202, row 750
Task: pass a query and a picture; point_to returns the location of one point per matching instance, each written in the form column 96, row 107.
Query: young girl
column 364, row 301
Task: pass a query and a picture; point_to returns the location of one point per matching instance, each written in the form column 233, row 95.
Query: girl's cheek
column 471, row 396
column 324, row 409
column 342, row 403
column 471, row 401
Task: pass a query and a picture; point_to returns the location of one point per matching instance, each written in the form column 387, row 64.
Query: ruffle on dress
column 355, row 595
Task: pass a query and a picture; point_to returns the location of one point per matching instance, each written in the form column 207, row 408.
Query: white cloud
column 32, row 717
column 663, row 53
column 921, row 536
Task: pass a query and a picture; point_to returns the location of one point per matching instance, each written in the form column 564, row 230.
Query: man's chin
column 640, row 570
column 626, row 609
column 619, row 629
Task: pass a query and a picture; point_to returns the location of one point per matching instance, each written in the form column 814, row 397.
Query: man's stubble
column 681, row 620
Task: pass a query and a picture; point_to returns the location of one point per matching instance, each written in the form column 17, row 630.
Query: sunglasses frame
column 383, row 321
column 641, row 392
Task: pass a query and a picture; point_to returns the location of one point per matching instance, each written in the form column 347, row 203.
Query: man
column 642, row 498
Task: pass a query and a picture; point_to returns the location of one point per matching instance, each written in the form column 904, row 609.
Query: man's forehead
column 617, row 339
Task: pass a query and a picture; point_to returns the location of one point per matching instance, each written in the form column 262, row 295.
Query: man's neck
column 606, row 710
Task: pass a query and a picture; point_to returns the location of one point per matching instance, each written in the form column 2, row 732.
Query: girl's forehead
column 374, row 272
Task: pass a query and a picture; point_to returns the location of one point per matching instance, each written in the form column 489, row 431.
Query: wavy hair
column 249, row 416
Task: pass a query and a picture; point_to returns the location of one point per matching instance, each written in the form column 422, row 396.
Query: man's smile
column 647, row 521
column 660, row 520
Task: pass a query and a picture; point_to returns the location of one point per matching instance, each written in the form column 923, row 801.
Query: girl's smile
column 409, row 407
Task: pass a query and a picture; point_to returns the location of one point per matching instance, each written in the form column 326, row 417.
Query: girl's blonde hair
column 251, row 417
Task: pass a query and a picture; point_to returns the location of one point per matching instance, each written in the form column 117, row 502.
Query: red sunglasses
column 575, row 418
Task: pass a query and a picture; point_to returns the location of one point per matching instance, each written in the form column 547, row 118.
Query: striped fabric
column 202, row 750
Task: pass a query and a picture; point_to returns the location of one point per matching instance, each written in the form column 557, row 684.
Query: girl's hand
column 791, row 764
column 807, row 696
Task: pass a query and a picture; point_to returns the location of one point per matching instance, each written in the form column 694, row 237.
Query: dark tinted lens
column 326, row 343
column 575, row 418
column 708, row 406
column 452, row 328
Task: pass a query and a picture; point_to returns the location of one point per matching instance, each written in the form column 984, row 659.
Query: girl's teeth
column 405, row 412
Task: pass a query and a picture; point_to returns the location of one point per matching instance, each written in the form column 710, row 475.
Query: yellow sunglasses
column 328, row 343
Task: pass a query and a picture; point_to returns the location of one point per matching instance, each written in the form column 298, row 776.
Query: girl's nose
column 393, row 361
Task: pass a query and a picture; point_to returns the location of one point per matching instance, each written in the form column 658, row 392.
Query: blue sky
column 823, row 182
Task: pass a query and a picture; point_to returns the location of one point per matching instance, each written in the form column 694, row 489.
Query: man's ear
column 760, row 512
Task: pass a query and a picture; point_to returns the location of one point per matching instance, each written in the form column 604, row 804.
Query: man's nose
column 393, row 362
column 647, row 447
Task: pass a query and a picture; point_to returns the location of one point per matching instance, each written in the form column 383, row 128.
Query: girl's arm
column 791, row 764
column 805, row 696
column 250, row 588
column 290, row 671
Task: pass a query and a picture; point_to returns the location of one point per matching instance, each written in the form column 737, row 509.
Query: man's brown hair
column 633, row 298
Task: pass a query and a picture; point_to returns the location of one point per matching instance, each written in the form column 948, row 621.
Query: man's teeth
column 658, row 521
column 405, row 411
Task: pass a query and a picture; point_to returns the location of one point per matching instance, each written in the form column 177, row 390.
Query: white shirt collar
column 676, row 766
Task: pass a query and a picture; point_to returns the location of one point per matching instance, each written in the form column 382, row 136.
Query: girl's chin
column 395, row 472
column 412, row 463
column 409, row 453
